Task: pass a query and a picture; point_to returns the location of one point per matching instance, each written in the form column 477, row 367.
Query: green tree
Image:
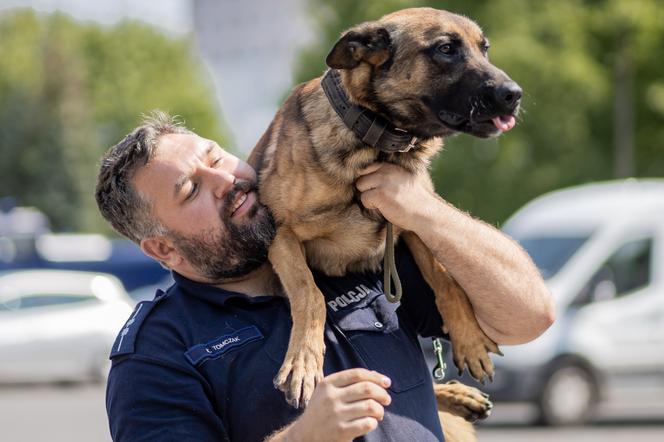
column 68, row 91
column 564, row 54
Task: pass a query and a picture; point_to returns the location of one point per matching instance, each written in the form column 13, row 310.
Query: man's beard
column 234, row 250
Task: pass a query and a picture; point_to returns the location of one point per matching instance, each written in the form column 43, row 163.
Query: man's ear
column 161, row 249
column 369, row 43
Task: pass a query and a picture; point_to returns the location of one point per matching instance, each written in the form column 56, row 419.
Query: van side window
column 627, row 270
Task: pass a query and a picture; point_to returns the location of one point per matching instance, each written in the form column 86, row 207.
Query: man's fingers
column 360, row 427
column 344, row 378
column 367, row 182
column 371, row 168
column 364, row 408
column 368, row 199
column 365, row 390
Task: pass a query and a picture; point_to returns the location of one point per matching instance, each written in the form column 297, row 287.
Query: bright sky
column 174, row 16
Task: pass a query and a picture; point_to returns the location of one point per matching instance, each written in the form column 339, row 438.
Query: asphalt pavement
column 76, row 414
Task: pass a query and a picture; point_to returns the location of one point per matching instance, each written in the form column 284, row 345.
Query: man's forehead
column 174, row 155
column 183, row 146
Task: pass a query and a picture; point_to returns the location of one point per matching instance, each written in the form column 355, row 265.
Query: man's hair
column 119, row 203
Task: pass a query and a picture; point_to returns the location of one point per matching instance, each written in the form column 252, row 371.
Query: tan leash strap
column 390, row 268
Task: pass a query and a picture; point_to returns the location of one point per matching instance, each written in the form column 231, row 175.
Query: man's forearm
column 282, row 435
column 511, row 302
column 510, row 299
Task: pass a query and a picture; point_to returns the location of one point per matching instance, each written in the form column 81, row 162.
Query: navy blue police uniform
column 197, row 362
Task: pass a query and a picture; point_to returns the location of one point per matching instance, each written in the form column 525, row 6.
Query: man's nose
column 508, row 94
column 222, row 182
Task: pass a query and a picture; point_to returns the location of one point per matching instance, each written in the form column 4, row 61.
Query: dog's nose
column 508, row 94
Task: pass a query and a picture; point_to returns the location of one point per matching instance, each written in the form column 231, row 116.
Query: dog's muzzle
column 450, row 118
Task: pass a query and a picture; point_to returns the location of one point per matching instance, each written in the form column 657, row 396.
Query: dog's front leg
column 303, row 366
column 470, row 345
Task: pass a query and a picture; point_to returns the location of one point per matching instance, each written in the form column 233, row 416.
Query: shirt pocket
column 372, row 329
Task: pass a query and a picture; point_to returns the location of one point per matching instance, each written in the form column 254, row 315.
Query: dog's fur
column 458, row 405
column 308, row 162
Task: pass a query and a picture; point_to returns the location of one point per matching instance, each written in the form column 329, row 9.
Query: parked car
column 58, row 325
column 600, row 248
column 84, row 252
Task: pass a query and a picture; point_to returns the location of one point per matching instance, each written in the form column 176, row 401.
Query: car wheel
column 568, row 397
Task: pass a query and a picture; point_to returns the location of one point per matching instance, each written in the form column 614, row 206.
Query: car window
column 550, row 253
column 627, row 270
column 43, row 300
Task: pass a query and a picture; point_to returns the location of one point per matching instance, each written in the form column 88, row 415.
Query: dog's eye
column 446, row 48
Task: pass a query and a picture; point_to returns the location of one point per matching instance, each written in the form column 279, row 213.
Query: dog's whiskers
column 483, row 105
column 473, row 108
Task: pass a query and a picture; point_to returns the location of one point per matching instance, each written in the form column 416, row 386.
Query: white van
column 600, row 248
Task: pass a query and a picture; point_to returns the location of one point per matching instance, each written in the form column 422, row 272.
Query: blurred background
column 75, row 76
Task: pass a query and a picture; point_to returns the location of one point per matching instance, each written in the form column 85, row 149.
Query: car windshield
column 550, row 253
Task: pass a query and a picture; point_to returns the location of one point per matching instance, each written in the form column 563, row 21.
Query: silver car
column 58, row 325
column 600, row 248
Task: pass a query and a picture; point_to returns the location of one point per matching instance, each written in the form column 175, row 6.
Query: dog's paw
column 471, row 350
column 463, row 401
column 301, row 371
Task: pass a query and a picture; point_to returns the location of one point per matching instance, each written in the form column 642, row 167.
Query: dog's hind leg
column 462, row 400
column 456, row 429
column 470, row 345
column 303, row 365
column 458, row 406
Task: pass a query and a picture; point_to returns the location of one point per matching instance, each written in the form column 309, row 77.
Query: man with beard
column 197, row 362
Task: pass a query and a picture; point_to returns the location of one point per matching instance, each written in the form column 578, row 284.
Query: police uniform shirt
column 197, row 362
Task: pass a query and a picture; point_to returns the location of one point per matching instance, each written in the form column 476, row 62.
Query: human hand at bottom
column 344, row 405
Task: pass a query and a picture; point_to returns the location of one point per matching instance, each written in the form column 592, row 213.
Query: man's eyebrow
column 186, row 177
column 179, row 183
column 211, row 146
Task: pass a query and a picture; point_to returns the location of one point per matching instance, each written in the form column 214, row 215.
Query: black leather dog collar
column 370, row 127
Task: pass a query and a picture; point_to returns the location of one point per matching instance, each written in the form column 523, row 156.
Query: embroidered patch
column 222, row 344
column 353, row 298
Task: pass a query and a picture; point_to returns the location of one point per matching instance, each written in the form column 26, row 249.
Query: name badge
column 218, row 346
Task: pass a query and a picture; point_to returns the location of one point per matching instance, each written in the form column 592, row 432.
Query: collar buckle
column 411, row 145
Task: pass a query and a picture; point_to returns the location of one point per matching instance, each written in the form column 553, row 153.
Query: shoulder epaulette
column 124, row 343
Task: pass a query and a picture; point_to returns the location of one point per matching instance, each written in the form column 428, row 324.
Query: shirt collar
column 215, row 295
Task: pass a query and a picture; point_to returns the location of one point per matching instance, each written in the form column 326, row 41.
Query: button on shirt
column 197, row 362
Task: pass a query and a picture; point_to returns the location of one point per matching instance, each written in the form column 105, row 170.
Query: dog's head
column 427, row 71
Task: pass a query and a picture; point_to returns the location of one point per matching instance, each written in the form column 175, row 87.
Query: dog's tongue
column 504, row 122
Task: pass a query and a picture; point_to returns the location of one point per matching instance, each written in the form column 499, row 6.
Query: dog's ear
column 369, row 43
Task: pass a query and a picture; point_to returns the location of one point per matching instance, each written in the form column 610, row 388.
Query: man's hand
column 399, row 195
column 345, row 405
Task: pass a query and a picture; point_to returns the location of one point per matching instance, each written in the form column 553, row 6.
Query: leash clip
column 411, row 145
column 439, row 369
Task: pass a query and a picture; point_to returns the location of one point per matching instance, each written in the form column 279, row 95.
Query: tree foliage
column 563, row 53
column 68, row 91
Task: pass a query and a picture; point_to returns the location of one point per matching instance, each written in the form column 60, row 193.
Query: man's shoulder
column 151, row 321
column 177, row 325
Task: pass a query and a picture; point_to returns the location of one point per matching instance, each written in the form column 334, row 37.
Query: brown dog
column 406, row 81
